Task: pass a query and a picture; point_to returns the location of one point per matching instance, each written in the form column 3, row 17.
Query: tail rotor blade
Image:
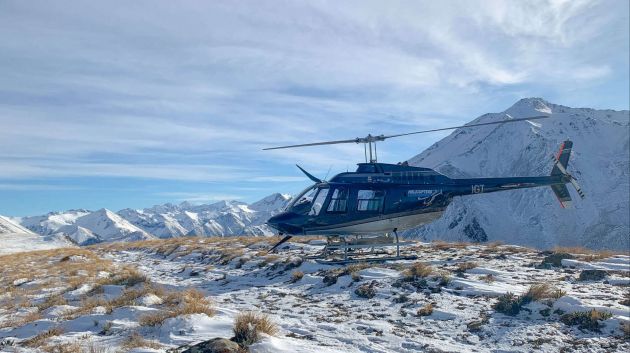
column 577, row 188
column 573, row 181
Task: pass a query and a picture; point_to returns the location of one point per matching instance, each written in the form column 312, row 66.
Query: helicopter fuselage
column 381, row 198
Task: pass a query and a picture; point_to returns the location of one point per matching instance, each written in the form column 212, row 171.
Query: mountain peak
column 530, row 107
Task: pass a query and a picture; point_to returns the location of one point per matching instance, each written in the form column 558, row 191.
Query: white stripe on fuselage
column 378, row 225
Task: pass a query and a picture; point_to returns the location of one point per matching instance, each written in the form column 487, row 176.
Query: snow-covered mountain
column 16, row 238
column 85, row 227
column 600, row 161
column 222, row 218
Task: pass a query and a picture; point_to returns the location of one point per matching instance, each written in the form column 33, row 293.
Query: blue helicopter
column 379, row 198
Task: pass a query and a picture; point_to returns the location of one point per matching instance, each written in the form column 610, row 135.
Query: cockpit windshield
column 303, row 202
column 304, row 197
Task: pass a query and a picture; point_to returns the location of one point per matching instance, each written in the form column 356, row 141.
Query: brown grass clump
column 73, row 347
column 465, row 266
column 137, row 341
column 511, row 304
column 18, row 321
column 586, row 320
column 190, row 301
column 42, row 337
column 228, row 255
column 296, row 276
column 585, row 254
column 54, row 300
column 366, row 290
column 442, row 245
column 489, row 278
column 557, row 293
column 268, row 259
column 249, row 325
column 425, row 310
column 418, row 270
column 537, row 292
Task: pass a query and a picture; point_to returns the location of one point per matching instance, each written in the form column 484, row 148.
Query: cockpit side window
column 318, row 202
column 366, row 168
column 370, row 200
column 338, row 200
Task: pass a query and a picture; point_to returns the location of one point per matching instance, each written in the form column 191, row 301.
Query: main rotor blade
column 371, row 138
column 471, row 125
column 313, row 144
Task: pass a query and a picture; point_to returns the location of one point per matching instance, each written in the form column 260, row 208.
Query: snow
column 315, row 317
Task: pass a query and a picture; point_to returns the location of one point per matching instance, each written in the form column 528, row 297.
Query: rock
column 215, row 345
column 593, row 275
column 555, row 259
column 149, row 299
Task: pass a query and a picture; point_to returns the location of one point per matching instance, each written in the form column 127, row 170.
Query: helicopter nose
column 280, row 222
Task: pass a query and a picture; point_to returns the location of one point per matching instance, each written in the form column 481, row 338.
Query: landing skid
column 344, row 250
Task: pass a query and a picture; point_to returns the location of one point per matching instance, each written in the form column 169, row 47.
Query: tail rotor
column 561, row 160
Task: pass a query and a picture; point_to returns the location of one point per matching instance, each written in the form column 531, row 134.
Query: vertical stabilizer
column 562, row 157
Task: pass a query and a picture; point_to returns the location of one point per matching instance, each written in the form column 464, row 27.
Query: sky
column 115, row 104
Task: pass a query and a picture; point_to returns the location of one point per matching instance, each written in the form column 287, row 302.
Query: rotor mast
column 370, row 142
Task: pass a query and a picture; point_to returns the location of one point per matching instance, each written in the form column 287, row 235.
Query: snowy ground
column 64, row 304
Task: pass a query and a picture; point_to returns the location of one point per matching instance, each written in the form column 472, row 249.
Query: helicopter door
column 318, row 202
column 338, row 201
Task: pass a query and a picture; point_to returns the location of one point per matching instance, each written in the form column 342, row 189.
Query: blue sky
column 128, row 104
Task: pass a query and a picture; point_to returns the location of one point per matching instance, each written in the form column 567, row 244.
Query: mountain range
column 600, row 162
column 223, row 218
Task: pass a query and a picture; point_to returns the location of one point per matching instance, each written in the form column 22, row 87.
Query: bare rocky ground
column 156, row 296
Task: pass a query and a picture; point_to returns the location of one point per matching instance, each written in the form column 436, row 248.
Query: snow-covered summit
column 16, row 238
column 600, row 162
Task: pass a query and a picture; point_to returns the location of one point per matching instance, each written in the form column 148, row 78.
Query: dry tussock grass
column 442, row 245
column 465, row 266
column 54, row 272
column 418, row 270
column 127, row 298
column 296, row 276
column 49, row 274
column 135, row 340
column 41, row 338
column 249, row 325
column 269, row 259
column 16, row 321
column 190, row 301
column 585, row 254
column 425, row 310
column 537, row 292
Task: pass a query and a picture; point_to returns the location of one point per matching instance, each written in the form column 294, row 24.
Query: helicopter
column 353, row 208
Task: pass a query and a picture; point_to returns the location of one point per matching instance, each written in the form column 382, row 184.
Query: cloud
column 199, row 198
